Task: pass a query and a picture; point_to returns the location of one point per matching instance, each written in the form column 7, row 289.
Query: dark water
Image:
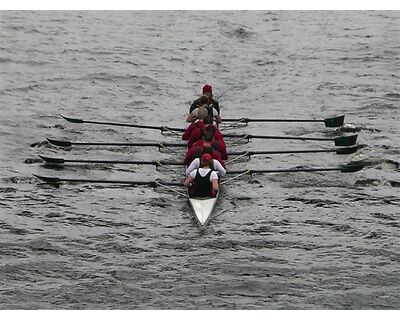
column 284, row 241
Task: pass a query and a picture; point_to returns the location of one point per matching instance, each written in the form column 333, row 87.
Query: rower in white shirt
column 215, row 166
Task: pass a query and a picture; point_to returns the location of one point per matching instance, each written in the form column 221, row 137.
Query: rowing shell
column 203, row 209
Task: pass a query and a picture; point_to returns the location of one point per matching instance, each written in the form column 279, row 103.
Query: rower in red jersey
column 202, row 114
column 218, row 145
column 196, row 152
column 198, row 133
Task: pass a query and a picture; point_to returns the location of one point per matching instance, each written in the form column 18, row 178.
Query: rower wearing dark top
column 207, row 91
column 203, row 182
column 212, row 106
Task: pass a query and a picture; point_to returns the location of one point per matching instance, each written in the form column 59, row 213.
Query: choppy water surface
column 285, row 241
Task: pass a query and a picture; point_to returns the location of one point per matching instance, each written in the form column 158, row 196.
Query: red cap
column 207, row 88
column 206, row 157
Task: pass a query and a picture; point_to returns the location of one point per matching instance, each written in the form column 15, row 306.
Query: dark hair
column 208, row 136
column 211, row 129
column 203, row 100
column 208, row 150
column 208, row 120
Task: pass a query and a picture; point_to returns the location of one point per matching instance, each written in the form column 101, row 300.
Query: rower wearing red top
column 203, row 182
column 218, row 145
column 218, row 142
column 197, row 151
column 202, row 114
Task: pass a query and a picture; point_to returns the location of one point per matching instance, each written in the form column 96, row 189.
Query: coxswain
column 203, row 182
column 212, row 106
column 199, row 123
column 207, row 91
column 197, row 151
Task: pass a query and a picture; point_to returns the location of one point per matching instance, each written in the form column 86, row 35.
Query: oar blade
column 352, row 166
column 334, row 122
column 51, row 159
column 50, row 180
column 73, row 120
column 348, row 150
column 59, row 143
column 346, row 141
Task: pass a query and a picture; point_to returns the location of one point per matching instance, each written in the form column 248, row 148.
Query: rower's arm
column 194, row 165
column 188, row 181
column 215, row 185
column 191, row 117
column 219, row 168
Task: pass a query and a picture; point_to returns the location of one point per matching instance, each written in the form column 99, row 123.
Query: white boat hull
column 203, row 209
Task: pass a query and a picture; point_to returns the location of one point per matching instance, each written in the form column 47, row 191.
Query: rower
column 218, row 145
column 202, row 114
column 196, row 151
column 215, row 164
column 198, row 137
column 212, row 111
column 207, row 91
column 203, row 182
column 202, row 102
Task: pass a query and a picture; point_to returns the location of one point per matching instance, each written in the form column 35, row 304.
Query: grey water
column 322, row 240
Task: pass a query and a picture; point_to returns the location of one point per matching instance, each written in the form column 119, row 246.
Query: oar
column 161, row 128
column 329, row 122
column 59, row 161
column 66, row 143
column 350, row 167
column 154, row 184
column 347, row 150
column 339, row 141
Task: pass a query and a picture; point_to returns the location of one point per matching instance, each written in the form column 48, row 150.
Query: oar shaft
column 144, row 162
column 250, row 153
column 329, row 122
column 123, row 124
column 138, row 162
column 155, row 183
column 117, row 144
column 162, row 128
column 253, row 136
column 285, row 170
column 66, row 143
column 270, row 120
